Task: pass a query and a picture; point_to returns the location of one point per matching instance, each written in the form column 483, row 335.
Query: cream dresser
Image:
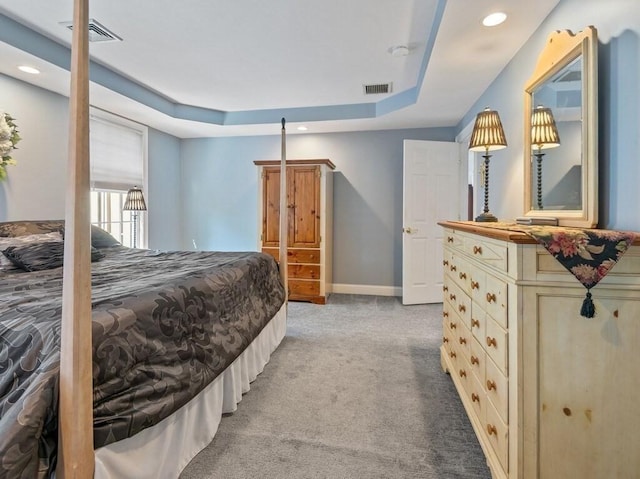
column 550, row 394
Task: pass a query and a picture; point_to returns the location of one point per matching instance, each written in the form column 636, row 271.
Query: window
column 107, row 213
column 118, row 161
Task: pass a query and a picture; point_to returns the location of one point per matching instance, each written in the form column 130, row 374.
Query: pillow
column 29, row 227
column 39, row 256
column 100, row 238
column 7, row 265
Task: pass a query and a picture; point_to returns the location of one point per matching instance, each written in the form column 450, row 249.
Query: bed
column 177, row 338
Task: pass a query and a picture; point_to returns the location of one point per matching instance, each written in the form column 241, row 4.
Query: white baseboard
column 366, row 289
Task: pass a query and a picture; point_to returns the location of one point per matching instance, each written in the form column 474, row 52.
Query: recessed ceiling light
column 28, row 69
column 494, row 19
column 302, row 128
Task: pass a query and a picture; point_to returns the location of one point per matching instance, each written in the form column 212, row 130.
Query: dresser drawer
column 487, row 252
column 464, row 373
column 463, row 341
column 478, row 285
column 446, row 285
column 460, row 272
column 451, row 293
column 447, row 337
column 304, row 271
column 304, row 287
column 496, row 344
column 453, row 239
column 310, row 256
column 451, row 267
column 478, row 323
column 477, row 359
column 453, row 354
column 497, row 388
column 498, row 434
column 478, row 398
column 495, row 300
column 459, row 303
column 463, row 308
column 452, row 322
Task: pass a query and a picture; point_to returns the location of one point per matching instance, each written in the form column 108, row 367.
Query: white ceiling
column 258, row 60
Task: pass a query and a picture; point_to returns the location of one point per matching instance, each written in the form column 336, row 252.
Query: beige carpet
column 354, row 391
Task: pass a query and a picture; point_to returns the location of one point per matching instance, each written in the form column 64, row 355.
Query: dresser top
column 499, row 230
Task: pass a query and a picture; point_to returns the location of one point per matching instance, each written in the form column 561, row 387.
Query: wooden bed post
column 284, row 213
column 75, row 435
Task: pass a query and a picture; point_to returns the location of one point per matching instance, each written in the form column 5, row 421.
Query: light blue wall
column 220, row 187
column 618, row 25
column 164, row 196
column 35, row 188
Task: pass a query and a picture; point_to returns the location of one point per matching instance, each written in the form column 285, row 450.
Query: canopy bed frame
column 76, row 457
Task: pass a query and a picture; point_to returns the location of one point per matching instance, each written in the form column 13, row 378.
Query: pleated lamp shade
column 487, row 132
column 134, row 200
column 544, row 133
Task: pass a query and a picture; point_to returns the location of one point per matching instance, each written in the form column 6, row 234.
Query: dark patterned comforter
column 165, row 324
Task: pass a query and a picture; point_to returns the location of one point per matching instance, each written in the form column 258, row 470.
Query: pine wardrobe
column 310, row 220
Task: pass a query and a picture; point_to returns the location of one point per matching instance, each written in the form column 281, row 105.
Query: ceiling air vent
column 377, row 88
column 97, row 32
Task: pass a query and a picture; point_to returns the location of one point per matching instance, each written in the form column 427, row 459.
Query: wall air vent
column 97, row 32
column 377, row 88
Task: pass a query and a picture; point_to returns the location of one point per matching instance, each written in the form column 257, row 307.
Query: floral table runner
column 588, row 254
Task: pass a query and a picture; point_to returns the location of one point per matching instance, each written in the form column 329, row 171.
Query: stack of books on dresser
column 537, row 220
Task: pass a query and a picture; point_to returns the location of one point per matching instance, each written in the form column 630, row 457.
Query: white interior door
column 431, row 192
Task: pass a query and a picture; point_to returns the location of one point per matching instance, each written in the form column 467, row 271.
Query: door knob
column 409, row 230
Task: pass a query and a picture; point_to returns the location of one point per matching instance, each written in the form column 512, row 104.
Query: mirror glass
column 561, row 131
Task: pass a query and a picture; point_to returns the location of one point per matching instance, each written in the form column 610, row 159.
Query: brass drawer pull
column 445, row 262
column 463, row 275
column 477, row 250
column 445, row 339
column 445, row 288
column 491, row 297
column 475, row 397
column 492, row 342
column 463, row 373
column 452, row 325
column 452, row 354
column 462, row 340
column 491, row 429
column 449, row 239
column 453, row 267
column 475, row 360
column 452, row 297
column 475, row 285
column 462, row 308
column 445, row 314
column 475, row 322
column 491, row 385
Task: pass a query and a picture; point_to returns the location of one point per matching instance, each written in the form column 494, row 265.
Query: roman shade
column 117, row 155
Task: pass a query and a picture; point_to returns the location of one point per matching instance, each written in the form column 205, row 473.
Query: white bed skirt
column 164, row 450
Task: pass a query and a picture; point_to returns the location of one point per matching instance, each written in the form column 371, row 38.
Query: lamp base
column 486, row 218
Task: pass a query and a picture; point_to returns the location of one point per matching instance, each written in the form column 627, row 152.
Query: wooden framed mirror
column 561, row 159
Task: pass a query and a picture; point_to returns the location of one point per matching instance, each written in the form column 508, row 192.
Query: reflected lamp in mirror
column 544, row 135
column 134, row 202
column 487, row 135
